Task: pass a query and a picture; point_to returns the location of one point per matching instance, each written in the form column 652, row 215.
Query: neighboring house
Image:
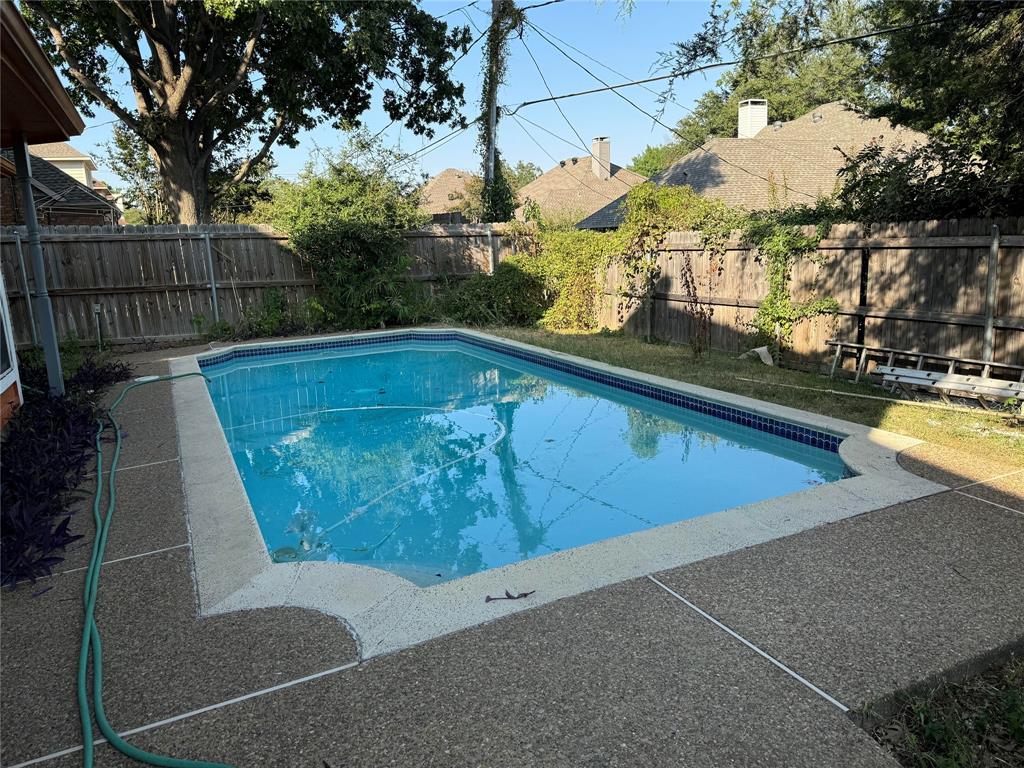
column 59, row 198
column 75, row 164
column 773, row 165
column 578, row 187
column 445, row 192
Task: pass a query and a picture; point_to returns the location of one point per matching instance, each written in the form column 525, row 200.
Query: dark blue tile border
column 800, row 434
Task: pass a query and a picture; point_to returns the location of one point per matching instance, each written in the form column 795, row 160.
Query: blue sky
column 630, row 44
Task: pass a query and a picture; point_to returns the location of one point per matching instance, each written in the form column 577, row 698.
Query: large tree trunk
column 185, row 181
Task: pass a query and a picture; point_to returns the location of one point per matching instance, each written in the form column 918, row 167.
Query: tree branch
column 243, row 65
column 77, row 73
column 246, row 168
column 167, row 65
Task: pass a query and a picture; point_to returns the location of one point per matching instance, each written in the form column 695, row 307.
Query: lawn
column 993, row 436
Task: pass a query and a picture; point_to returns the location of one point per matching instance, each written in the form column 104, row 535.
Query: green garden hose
column 90, row 632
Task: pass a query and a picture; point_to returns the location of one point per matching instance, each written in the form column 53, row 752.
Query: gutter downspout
column 43, row 306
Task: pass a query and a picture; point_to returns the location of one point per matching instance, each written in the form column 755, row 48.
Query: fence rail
column 920, row 286
column 139, row 284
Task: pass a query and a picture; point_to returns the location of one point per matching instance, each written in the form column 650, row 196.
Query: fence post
column 211, row 275
column 490, row 245
column 991, row 284
column 24, row 288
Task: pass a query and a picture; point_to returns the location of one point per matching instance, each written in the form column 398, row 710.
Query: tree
column 792, row 84
column 210, row 77
column 128, row 156
column 957, row 74
column 521, row 174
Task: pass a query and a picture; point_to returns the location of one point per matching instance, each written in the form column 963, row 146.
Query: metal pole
column 991, row 284
column 211, row 275
column 43, row 307
column 24, row 288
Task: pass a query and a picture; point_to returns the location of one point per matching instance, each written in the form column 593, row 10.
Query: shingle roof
column 59, row 150
column 443, row 192
column 571, row 189
column 794, row 162
column 61, row 190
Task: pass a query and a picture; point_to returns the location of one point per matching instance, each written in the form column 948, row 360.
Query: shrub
column 570, row 261
column 360, row 269
column 511, row 296
column 46, row 449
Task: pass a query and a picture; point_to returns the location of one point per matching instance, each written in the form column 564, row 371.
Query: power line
column 662, row 123
column 583, row 143
column 579, row 181
column 719, row 64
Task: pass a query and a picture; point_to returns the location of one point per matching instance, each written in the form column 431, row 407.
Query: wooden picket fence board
column 906, row 285
column 152, row 283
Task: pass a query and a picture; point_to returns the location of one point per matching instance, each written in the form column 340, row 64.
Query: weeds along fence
column 922, row 286
column 142, row 284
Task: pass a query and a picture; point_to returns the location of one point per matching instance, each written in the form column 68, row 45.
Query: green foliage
column 793, row 85
column 654, row 160
column 360, row 269
column 778, row 244
column 651, row 213
column 569, row 262
column 511, row 296
column 127, row 155
column 958, row 78
column 211, row 78
column 345, row 218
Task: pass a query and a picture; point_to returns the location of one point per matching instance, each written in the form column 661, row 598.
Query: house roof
column 56, row 189
column 35, row 105
column 571, row 188
column 443, row 192
column 785, row 163
column 60, row 150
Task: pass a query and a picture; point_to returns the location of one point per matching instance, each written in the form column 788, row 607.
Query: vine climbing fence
column 929, row 286
column 153, row 284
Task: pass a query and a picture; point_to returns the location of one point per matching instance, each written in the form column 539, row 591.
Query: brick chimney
column 601, row 157
column 753, row 117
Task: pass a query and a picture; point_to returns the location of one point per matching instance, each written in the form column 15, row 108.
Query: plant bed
column 978, row 723
column 46, row 451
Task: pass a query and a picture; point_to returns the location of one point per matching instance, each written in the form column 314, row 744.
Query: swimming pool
column 439, row 455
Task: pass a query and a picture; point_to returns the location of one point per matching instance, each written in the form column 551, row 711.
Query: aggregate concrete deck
column 626, row 675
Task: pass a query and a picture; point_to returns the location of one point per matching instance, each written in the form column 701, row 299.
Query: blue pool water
column 435, row 460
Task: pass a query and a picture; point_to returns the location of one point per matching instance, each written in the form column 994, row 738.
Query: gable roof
column 572, row 189
column 59, row 190
column 60, row 150
column 789, row 163
column 443, row 192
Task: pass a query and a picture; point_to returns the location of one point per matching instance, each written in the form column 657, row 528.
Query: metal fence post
column 24, row 288
column 991, row 284
column 211, row 275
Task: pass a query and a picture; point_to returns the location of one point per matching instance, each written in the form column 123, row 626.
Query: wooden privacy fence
column 921, row 286
column 139, row 284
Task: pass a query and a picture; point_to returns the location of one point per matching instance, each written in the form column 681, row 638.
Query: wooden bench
column 888, row 357
column 985, row 390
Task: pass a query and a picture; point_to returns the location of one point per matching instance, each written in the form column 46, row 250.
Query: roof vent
column 817, row 117
column 777, row 125
column 575, row 160
column 561, row 163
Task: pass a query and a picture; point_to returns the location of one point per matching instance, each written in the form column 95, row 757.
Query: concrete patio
column 631, row 674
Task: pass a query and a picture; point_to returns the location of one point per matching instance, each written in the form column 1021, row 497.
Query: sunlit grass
column 974, row 431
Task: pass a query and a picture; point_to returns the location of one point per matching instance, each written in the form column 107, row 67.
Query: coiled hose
column 91, row 645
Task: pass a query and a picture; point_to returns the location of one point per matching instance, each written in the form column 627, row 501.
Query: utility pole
column 493, row 43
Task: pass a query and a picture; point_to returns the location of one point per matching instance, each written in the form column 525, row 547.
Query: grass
column 990, row 435
column 975, row 724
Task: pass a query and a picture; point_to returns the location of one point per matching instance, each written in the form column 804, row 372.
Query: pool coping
column 233, row 570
